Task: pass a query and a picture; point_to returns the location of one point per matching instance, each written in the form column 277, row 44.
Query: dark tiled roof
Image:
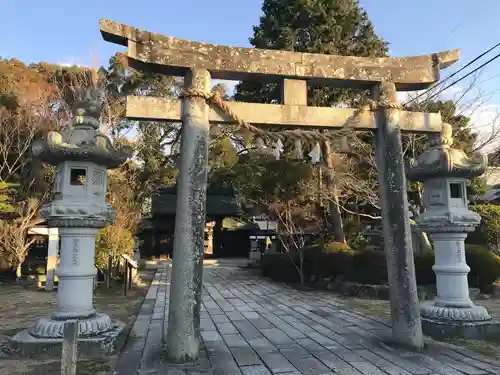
column 220, row 202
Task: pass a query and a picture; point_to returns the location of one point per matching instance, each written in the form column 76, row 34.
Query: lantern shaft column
column 451, row 270
column 82, row 157
column 76, row 273
column 447, row 221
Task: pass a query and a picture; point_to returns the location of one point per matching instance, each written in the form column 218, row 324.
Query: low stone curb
column 353, row 289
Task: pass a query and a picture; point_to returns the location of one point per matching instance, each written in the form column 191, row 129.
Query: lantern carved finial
column 83, row 141
column 443, row 160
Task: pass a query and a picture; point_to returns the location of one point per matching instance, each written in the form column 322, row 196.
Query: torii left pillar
column 183, row 333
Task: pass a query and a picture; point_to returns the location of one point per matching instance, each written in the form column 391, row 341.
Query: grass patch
column 22, row 304
column 369, row 307
column 479, row 347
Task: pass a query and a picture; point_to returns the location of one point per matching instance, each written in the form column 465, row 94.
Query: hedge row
column 369, row 266
column 487, row 233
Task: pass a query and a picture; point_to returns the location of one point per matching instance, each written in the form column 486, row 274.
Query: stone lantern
column 82, row 155
column 447, row 220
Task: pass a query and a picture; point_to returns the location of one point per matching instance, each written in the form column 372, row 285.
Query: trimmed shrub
column 336, row 247
column 423, row 268
column 487, row 232
column 369, row 266
column 280, row 267
column 484, row 267
column 332, row 261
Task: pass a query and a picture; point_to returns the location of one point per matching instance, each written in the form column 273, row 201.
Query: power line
column 465, row 76
column 489, row 78
column 467, row 16
column 474, row 11
column 454, row 74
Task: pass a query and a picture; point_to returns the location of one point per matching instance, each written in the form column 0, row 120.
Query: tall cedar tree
column 337, row 27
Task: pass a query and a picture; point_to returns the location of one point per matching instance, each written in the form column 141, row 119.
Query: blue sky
column 62, row 31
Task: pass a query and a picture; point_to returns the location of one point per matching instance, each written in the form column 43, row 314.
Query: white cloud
column 451, row 93
column 472, row 102
column 72, row 62
column 485, row 121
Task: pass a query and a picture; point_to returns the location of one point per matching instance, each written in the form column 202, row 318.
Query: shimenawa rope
column 215, row 99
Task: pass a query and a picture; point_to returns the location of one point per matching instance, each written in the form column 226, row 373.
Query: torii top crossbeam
column 175, row 56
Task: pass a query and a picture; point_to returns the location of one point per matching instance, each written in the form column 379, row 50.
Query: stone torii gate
column 198, row 63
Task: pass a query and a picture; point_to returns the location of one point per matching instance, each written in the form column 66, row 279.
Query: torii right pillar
column 406, row 324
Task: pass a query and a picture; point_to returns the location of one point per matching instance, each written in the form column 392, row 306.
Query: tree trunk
column 301, row 267
column 335, row 216
column 217, row 240
column 18, row 271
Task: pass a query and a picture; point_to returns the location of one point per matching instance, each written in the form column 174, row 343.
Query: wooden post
column 183, row 341
column 129, row 276
column 405, row 312
column 69, row 348
column 52, row 251
column 125, row 269
column 109, row 275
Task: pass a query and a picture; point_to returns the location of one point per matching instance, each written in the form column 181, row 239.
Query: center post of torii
column 198, row 63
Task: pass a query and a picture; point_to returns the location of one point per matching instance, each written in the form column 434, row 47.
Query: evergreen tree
column 336, row 27
column 6, row 206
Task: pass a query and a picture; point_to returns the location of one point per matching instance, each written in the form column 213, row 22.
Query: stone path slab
column 252, row 326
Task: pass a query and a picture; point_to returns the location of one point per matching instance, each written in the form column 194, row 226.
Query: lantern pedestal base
column 54, row 328
column 488, row 330
column 469, row 314
column 97, row 337
column 443, row 323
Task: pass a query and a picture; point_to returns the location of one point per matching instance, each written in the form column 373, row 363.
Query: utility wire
column 475, row 10
column 453, row 74
column 468, row 15
column 489, row 78
column 465, row 76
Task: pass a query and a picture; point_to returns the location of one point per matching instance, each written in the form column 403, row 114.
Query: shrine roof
column 220, row 202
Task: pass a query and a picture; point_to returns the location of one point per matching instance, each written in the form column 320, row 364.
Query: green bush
column 484, row 267
column 280, row 267
column 330, row 260
column 335, row 247
column 112, row 241
column 423, row 268
column 369, row 266
column 487, row 232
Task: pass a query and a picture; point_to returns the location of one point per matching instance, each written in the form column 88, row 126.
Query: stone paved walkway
column 252, row 326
